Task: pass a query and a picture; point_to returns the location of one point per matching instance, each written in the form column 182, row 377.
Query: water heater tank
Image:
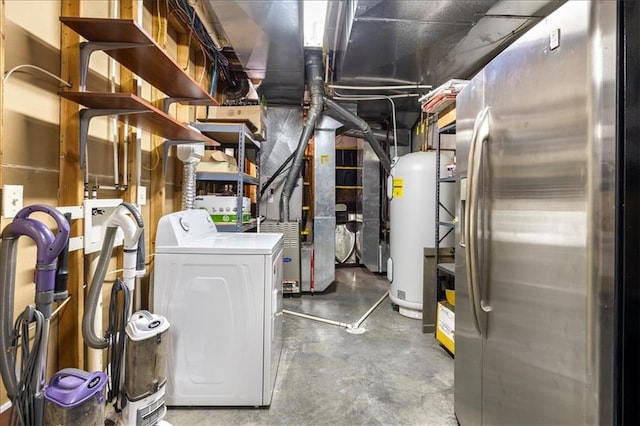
column 412, row 224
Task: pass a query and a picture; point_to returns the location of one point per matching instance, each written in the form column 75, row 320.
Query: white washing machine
column 222, row 293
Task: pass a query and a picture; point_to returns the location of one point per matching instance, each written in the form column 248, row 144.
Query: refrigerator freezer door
column 547, row 200
column 468, row 362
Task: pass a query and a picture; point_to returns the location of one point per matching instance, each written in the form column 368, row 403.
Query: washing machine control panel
column 180, row 228
column 184, row 224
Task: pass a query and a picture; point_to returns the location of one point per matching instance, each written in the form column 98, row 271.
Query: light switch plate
column 142, row 195
column 11, row 200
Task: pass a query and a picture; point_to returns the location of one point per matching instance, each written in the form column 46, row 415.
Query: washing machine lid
column 228, row 243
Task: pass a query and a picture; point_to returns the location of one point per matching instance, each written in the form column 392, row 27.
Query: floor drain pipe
column 363, row 126
column 354, row 328
column 313, row 65
column 366, row 315
column 314, row 318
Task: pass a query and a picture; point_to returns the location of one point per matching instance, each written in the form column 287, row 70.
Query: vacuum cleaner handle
column 62, row 271
column 73, row 372
column 62, row 236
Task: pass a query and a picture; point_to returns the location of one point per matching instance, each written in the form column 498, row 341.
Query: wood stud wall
column 71, row 181
column 71, row 193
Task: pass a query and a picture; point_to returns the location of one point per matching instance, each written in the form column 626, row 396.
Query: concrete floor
column 391, row 374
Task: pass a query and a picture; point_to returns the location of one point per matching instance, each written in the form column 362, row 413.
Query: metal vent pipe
column 379, row 134
column 346, row 115
column 189, row 185
column 313, row 64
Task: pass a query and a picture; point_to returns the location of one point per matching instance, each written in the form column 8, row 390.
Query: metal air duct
column 316, row 87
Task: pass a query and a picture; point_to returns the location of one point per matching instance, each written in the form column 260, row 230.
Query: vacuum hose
column 26, row 393
column 88, row 331
column 132, row 231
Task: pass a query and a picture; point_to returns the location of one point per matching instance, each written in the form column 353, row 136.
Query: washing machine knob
column 184, row 224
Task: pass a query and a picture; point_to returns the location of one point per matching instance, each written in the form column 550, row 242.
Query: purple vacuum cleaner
column 75, row 397
column 26, row 388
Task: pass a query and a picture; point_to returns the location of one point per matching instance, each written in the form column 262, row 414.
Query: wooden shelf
column 141, row 113
column 132, row 110
column 148, row 60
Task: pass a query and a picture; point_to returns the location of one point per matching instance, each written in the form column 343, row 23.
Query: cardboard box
column 256, row 114
column 446, row 325
column 217, row 162
column 223, row 208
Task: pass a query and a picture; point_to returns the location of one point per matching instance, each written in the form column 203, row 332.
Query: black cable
column 118, row 317
column 276, row 174
column 23, row 412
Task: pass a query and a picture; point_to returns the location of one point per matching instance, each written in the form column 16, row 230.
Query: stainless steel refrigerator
column 548, row 264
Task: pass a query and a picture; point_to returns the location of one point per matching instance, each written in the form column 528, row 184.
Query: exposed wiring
column 277, row 173
column 157, row 159
column 204, row 65
column 185, row 11
column 50, row 74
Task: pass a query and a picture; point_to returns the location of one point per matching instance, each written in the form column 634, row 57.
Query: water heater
column 412, row 211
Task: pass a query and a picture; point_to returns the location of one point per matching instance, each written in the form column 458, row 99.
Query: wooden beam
column 182, row 114
column 2, row 66
column 157, row 186
column 128, row 84
column 71, row 193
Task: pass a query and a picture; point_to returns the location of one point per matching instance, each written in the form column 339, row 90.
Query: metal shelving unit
column 443, row 268
column 237, row 136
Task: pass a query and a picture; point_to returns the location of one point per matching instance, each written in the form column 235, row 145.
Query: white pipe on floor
column 340, row 324
column 314, row 318
column 366, row 315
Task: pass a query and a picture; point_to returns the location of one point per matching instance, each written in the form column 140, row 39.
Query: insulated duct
column 190, row 155
column 345, row 115
column 313, row 65
column 189, row 185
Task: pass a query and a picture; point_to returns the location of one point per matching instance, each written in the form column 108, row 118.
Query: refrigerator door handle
column 479, row 136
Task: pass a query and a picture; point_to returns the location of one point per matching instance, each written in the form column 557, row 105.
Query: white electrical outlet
column 142, row 195
column 11, row 200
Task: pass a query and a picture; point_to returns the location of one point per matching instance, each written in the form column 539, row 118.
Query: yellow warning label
column 397, row 187
column 325, row 159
